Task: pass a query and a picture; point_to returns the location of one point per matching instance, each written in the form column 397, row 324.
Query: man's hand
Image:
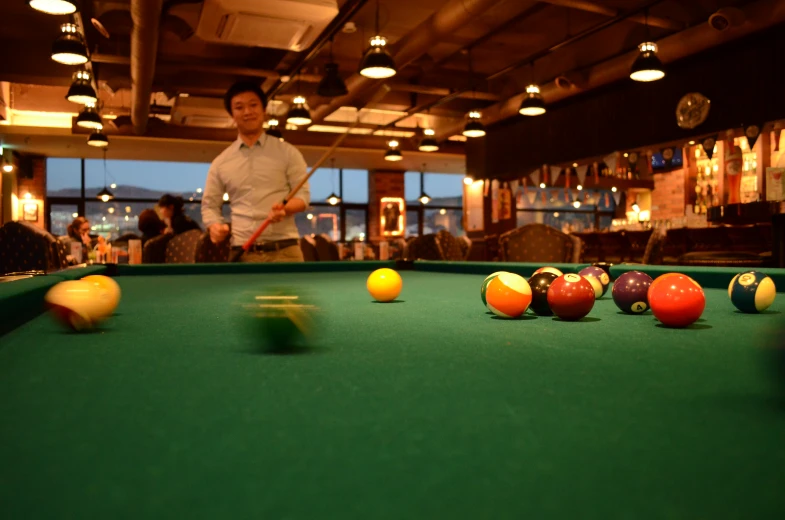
column 219, row 232
column 277, row 213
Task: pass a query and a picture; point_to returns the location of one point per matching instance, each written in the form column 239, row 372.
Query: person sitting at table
column 79, row 231
column 171, row 209
column 150, row 224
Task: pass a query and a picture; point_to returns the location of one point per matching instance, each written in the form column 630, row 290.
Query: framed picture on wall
column 30, row 212
column 392, row 216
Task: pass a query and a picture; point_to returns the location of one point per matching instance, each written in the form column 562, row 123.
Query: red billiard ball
column 571, row 297
column 676, row 300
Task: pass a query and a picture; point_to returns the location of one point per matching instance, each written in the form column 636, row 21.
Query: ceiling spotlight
column 69, row 47
column 81, row 90
column 474, row 128
column 647, row 66
column 53, row 6
column 98, row 139
column 299, row 114
column 613, row 189
column 429, row 144
column 533, row 104
column 7, row 166
column 89, row 118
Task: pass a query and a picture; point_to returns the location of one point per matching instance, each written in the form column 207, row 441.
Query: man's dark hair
column 171, row 200
column 240, row 88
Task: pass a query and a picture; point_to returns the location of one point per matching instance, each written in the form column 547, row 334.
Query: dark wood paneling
column 744, row 81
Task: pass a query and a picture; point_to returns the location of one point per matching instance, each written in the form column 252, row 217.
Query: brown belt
column 267, row 247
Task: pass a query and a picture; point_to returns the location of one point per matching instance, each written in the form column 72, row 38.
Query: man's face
column 247, row 112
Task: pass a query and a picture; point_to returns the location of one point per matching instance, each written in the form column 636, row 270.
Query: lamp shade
column 474, row 128
column 377, row 62
column 98, row 139
column 393, row 155
column 81, row 90
column 299, row 114
column 647, row 66
column 105, row 195
column 532, row 104
column 69, row 47
column 53, row 6
column 428, row 144
column 332, row 84
column 89, row 118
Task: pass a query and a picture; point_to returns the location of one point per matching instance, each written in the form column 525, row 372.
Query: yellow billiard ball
column 384, row 284
column 109, row 292
column 76, row 304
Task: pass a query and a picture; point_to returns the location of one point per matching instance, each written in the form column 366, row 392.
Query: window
column 145, row 179
column 445, row 189
column 320, row 219
column 411, row 187
column 355, row 186
column 60, row 217
column 356, row 224
column 412, row 222
column 436, row 220
column 63, row 177
column 323, row 182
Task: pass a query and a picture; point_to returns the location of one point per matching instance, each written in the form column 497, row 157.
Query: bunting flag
column 567, row 175
column 596, row 170
column 752, row 132
column 555, row 171
column 617, row 197
column 610, row 161
column 581, row 171
column 514, row 186
column 535, row 177
column 525, row 185
column 607, row 200
column 708, row 145
column 544, row 197
column 566, row 195
column 486, row 184
column 532, row 196
column 777, row 132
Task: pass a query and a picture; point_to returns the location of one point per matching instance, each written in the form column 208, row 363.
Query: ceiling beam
column 593, row 7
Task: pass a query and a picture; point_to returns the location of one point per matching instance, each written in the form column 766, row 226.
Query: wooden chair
column 614, row 246
column 326, row 249
column 154, row 250
column 637, row 240
column 308, row 247
column 28, row 248
column 449, row 246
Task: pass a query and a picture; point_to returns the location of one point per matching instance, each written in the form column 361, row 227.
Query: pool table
column 427, row 407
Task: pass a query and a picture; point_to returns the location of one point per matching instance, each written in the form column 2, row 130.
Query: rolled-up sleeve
column 212, row 198
column 296, row 171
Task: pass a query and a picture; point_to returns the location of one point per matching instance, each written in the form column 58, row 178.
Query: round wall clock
column 692, row 110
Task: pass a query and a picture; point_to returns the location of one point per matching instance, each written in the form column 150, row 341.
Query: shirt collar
column 259, row 142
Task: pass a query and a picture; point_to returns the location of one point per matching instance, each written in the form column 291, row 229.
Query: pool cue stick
column 236, row 255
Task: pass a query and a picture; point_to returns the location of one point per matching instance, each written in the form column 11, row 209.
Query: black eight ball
column 539, row 284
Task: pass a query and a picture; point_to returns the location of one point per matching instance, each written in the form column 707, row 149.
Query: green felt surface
column 426, row 408
column 715, row 277
column 75, row 273
column 522, row 268
column 248, row 268
column 22, row 300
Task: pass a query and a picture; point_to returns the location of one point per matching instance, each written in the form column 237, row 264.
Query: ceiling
column 173, row 109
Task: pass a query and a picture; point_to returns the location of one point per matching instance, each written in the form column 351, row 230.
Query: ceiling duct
column 279, row 24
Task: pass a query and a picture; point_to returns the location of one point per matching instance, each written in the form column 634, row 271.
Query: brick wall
column 667, row 199
column 381, row 184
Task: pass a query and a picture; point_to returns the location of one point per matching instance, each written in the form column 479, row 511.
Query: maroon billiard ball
column 676, row 300
column 631, row 292
column 571, row 297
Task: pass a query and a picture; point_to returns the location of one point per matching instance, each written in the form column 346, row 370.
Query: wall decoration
column 581, row 172
column 30, row 212
column 392, row 216
column 708, row 145
column 692, row 110
column 505, row 203
column 495, row 201
column 752, row 132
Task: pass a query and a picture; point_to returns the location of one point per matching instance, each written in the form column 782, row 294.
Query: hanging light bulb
column 81, row 90
column 393, row 154
column 468, row 180
column 429, row 144
column 105, row 195
column 533, row 104
column 647, row 66
column 69, row 47
column 98, row 139
column 53, row 6
column 334, row 199
column 299, row 114
column 474, row 128
column 424, row 198
column 89, row 118
column 273, row 130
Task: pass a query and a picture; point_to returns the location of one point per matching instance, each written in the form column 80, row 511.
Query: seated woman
column 79, row 231
column 171, row 209
column 150, row 225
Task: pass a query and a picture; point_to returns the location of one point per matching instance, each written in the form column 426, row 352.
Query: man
column 256, row 171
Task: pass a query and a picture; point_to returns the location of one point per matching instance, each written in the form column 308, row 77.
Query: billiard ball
column 76, row 304
column 110, row 291
column 280, row 319
column 631, row 292
column 508, row 295
column 676, row 300
column 485, row 285
column 539, row 284
column 598, row 278
column 548, row 269
column 384, row 284
column 571, row 297
column 752, row 291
